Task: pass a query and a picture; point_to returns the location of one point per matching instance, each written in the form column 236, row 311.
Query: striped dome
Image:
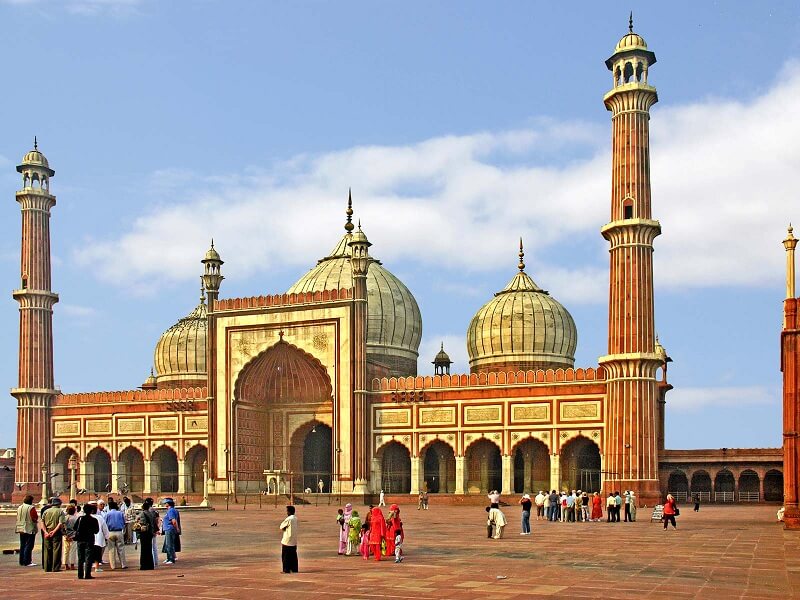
column 394, row 322
column 180, row 355
column 521, row 328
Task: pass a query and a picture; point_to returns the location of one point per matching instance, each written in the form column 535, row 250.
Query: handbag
column 677, row 511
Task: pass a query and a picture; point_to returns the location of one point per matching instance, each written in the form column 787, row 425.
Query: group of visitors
column 578, row 506
column 76, row 537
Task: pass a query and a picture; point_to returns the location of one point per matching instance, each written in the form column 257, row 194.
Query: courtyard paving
column 722, row 552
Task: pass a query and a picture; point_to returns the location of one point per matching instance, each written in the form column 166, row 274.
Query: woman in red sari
column 377, row 532
column 393, row 523
column 597, row 507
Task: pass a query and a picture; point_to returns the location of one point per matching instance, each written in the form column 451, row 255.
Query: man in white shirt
column 539, row 502
column 100, row 539
column 289, row 542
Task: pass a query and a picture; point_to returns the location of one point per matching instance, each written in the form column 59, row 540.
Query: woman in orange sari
column 377, row 532
column 597, row 507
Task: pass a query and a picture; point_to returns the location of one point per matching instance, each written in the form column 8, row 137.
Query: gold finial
column 151, row 372
column 35, row 143
column 202, row 290
column 521, row 264
column 280, row 334
column 630, row 23
column 442, row 346
column 212, row 243
column 348, row 226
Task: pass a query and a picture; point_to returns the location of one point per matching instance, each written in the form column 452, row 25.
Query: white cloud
column 725, row 175
column 84, row 7
column 77, row 312
column 691, row 399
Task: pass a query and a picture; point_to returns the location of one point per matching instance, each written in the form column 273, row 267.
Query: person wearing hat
column 172, row 529
column 526, row 503
column 52, row 524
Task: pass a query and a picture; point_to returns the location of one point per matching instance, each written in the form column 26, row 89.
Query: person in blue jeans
column 172, row 529
column 526, row 503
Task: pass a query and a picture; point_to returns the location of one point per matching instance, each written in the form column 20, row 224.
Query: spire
column 35, row 143
column 790, row 243
column 521, row 264
column 630, row 23
column 202, row 290
column 348, row 226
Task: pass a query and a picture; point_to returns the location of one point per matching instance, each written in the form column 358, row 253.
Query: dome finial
column 348, row 226
column 35, row 143
column 202, row 290
column 630, row 23
column 521, row 264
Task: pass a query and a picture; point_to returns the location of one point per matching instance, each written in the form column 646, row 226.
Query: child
column 353, row 534
column 398, row 543
column 364, row 549
column 340, row 521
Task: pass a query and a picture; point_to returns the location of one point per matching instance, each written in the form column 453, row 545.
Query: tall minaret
column 790, row 366
column 212, row 279
column 35, row 391
column 631, row 450
column 359, row 261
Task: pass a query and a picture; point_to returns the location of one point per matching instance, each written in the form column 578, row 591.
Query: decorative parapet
column 197, row 393
column 428, row 382
column 282, row 299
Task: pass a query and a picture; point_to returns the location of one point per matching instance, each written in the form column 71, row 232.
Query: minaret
column 359, row 261
column 790, row 365
column 36, row 388
column 211, row 280
column 631, row 445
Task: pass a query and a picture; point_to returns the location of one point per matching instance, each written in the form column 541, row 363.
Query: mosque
column 318, row 387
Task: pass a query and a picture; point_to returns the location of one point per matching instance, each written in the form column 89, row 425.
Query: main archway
column 580, row 465
column 312, row 457
column 280, row 382
column 531, row 466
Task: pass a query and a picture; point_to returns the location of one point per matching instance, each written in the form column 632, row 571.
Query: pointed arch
column 484, row 468
column 581, row 465
column 131, row 469
column 98, row 470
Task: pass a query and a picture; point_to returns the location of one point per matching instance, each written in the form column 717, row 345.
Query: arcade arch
column 195, row 479
column 395, row 468
column 164, row 471
column 131, row 470
column 484, row 467
column 98, row 471
column 531, row 466
column 581, row 465
column 439, row 468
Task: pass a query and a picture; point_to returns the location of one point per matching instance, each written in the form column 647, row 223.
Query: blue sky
column 459, row 125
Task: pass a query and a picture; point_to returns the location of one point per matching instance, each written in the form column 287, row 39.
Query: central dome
column 521, row 328
column 394, row 322
column 180, row 355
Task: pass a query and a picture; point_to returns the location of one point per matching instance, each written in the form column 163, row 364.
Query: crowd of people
column 83, row 538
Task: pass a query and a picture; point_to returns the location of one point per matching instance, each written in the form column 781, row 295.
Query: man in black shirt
column 85, row 530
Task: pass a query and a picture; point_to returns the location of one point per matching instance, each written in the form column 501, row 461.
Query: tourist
column 321, row 486
column 70, row 545
column 115, row 521
column 526, row 503
column 425, row 499
column 156, row 531
column 597, row 507
column 618, row 507
column 393, row 522
column 145, row 529
column 585, row 507
column 421, row 500
column 100, row 538
column 52, row 524
column 489, row 524
column 628, row 507
column 398, row 543
column 697, row 503
column 571, row 507
column 172, row 531
column 130, row 516
column 344, row 531
column 497, row 520
column 353, row 537
column 289, row 542
column 382, row 499
column 611, row 505
column 539, row 501
column 364, row 547
column 547, row 506
column 494, row 498
column 632, row 497
column 562, row 502
column 377, row 532
column 670, row 512
column 86, row 528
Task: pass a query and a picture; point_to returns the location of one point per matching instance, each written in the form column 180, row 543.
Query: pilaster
column 508, row 474
column 555, row 472
column 460, row 462
column 416, row 474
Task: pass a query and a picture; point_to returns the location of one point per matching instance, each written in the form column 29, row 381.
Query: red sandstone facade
column 293, row 396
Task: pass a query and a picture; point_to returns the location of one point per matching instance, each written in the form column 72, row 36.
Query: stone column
column 181, row 477
column 148, row 483
column 377, row 474
column 45, row 484
column 206, row 482
column 555, row 472
column 527, row 486
column 460, row 474
column 508, row 474
column 117, row 477
column 416, row 474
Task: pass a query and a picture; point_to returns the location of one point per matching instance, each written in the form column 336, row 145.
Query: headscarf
column 348, row 510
